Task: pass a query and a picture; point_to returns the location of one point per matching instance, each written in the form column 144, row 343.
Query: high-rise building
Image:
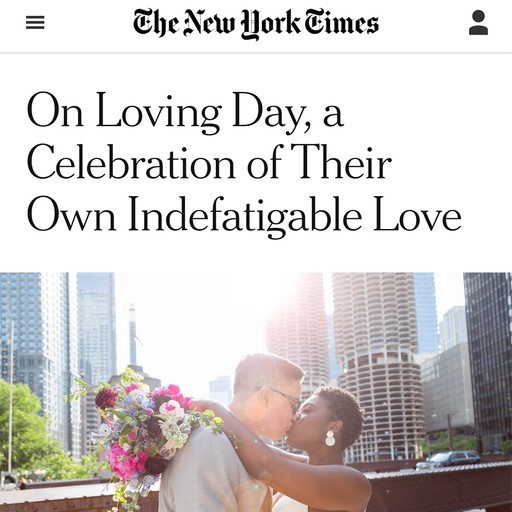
column 297, row 330
column 152, row 382
column 97, row 326
column 334, row 367
column 453, row 328
column 489, row 323
column 446, row 382
column 375, row 332
column 426, row 313
column 220, row 389
column 96, row 341
column 446, row 378
column 43, row 310
column 133, row 336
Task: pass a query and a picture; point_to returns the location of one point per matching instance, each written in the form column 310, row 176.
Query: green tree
column 29, row 433
column 439, row 442
column 506, row 446
column 32, row 447
column 59, row 466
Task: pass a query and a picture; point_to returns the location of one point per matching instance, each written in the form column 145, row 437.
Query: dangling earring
column 329, row 440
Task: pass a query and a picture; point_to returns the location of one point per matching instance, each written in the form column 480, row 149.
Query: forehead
column 292, row 389
column 316, row 401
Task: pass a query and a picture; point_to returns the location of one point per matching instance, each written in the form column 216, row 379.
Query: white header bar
column 247, row 27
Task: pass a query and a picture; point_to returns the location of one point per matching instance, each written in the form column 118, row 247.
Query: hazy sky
column 449, row 292
column 194, row 327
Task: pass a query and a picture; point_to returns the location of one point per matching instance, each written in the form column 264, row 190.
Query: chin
column 290, row 441
column 274, row 437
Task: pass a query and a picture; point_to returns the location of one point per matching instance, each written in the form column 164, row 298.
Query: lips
column 290, row 428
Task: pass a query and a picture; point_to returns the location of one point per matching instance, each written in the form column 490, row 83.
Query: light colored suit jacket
column 206, row 475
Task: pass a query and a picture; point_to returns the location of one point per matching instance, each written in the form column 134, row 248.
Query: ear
column 336, row 426
column 263, row 394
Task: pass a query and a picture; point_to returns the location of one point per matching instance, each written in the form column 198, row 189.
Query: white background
column 421, row 91
column 443, row 119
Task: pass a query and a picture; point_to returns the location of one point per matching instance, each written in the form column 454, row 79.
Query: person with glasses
column 327, row 423
column 296, row 402
column 206, row 475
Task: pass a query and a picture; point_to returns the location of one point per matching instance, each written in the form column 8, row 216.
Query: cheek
column 255, row 414
column 310, row 426
column 299, row 431
column 283, row 416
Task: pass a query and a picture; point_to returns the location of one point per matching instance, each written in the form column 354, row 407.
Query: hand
column 202, row 404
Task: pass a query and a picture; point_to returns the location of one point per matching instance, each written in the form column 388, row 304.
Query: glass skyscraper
column 489, row 324
column 446, row 378
column 453, row 328
column 96, row 340
column 426, row 314
column 97, row 326
column 43, row 311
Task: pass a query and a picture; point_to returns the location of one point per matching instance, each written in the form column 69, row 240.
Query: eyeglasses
column 297, row 401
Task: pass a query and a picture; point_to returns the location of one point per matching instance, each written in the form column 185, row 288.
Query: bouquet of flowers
column 141, row 431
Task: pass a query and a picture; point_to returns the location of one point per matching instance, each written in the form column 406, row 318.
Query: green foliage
column 506, row 446
column 32, row 447
column 30, row 440
column 439, row 442
column 59, row 466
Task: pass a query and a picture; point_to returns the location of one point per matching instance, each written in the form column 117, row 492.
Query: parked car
column 443, row 459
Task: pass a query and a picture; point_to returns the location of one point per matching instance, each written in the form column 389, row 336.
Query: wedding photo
column 285, row 391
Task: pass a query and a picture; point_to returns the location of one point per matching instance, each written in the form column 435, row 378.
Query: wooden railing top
column 451, row 489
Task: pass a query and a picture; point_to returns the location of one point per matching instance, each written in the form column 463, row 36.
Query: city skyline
column 196, row 327
column 193, row 328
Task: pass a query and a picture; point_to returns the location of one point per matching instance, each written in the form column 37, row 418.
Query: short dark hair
column 344, row 406
column 265, row 369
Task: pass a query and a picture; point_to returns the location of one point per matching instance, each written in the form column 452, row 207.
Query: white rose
column 168, row 451
column 172, row 409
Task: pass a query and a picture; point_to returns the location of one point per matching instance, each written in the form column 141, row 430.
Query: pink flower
column 173, row 389
column 125, row 463
column 186, row 402
column 170, row 390
column 132, row 435
column 149, row 411
column 131, row 387
column 141, row 459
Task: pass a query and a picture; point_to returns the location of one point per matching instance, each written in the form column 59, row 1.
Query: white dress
column 282, row 503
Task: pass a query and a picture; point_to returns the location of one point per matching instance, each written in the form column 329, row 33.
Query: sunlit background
column 195, row 327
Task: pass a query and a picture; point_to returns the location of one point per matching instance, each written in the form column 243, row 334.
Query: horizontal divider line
column 251, row 53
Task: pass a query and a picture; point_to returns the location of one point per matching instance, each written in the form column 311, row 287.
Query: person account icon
column 478, row 30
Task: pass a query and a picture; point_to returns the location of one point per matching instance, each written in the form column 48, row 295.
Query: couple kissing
column 240, row 472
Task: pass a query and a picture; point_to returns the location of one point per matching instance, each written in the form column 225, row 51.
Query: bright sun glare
column 269, row 291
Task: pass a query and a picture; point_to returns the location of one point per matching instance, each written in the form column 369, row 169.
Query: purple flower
column 105, row 398
column 155, row 465
column 153, row 427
